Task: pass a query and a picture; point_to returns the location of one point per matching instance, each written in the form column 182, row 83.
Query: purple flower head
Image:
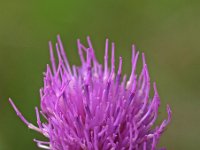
column 94, row 107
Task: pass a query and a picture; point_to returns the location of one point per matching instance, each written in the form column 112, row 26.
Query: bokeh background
column 168, row 31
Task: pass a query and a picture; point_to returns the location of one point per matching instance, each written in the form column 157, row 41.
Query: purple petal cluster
column 94, row 106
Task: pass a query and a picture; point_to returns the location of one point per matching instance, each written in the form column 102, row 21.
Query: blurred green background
column 168, row 31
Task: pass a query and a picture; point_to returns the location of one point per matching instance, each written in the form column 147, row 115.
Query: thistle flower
column 94, row 107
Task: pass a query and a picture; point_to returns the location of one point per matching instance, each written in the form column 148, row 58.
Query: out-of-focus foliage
column 167, row 31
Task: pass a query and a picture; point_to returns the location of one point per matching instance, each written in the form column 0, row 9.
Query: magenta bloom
column 94, row 107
